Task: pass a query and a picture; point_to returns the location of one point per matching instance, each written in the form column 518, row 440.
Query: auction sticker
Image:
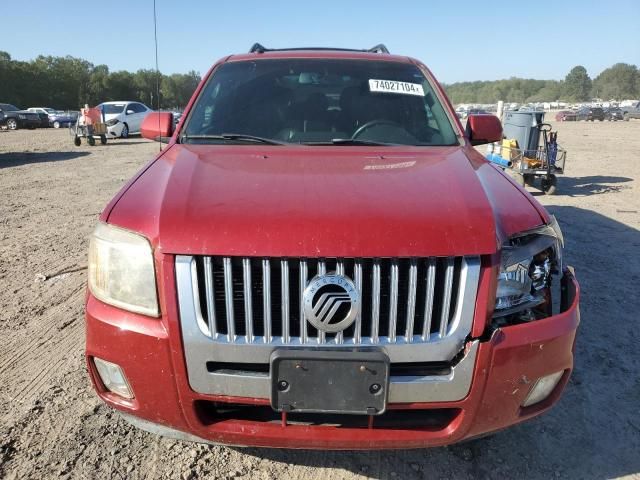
column 393, row 86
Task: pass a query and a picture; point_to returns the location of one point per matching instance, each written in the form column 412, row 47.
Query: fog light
column 113, row 378
column 542, row 389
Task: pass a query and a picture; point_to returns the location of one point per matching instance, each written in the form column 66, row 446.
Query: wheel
column 549, row 184
column 12, row 124
column 529, row 179
column 56, row 124
column 103, row 139
column 626, row 117
column 519, row 178
column 76, row 141
column 125, row 131
column 91, row 141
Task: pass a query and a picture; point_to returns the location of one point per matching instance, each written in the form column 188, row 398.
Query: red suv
column 320, row 259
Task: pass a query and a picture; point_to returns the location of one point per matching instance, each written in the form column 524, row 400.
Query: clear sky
column 459, row 40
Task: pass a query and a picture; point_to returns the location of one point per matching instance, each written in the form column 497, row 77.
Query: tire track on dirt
column 43, row 333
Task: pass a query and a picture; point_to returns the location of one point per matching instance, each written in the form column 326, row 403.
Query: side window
column 136, row 107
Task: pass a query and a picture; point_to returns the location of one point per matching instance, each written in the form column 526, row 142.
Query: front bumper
column 151, row 355
column 115, row 131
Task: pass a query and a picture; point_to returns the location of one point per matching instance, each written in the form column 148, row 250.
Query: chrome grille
column 254, row 300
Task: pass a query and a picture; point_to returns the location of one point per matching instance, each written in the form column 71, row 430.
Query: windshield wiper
column 356, row 141
column 234, row 136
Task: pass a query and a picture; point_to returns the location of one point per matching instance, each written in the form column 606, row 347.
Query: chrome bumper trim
column 402, row 389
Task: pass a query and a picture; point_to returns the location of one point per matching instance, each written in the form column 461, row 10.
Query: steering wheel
column 374, row 123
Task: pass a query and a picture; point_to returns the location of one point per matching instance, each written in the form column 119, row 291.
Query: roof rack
column 258, row 48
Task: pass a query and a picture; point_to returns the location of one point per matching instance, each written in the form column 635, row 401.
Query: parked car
column 13, row 118
column 613, row 114
column 632, row 111
column 123, row 118
column 42, row 114
column 566, row 116
column 590, row 114
column 54, row 118
column 296, row 272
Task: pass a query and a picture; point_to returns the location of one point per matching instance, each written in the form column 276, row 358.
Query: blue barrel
column 498, row 160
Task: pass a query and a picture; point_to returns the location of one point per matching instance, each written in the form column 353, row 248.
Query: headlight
column 112, row 122
column 121, row 271
column 528, row 259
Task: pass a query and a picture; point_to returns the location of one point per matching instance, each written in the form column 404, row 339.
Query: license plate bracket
column 329, row 381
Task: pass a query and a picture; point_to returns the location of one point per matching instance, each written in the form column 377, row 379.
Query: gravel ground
column 52, row 424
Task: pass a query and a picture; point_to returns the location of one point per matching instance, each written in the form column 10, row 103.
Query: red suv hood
column 323, row 201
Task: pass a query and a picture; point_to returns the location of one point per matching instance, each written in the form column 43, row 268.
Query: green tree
column 619, row 82
column 577, row 84
column 98, row 84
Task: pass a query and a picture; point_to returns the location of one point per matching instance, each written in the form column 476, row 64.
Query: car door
column 133, row 117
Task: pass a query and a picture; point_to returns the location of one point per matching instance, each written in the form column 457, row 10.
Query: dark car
column 566, row 116
column 54, row 118
column 613, row 114
column 590, row 114
column 13, row 118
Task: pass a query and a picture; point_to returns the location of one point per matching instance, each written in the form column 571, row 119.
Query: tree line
column 618, row 82
column 68, row 83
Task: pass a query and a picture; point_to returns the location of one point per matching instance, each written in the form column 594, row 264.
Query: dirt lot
column 52, row 425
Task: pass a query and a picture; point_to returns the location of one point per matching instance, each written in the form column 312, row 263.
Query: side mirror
column 157, row 126
column 483, row 129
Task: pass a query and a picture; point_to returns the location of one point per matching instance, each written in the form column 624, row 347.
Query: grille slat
column 393, row 301
column 428, row 304
column 357, row 278
column 210, row 297
column 375, row 302
column 303, row 285
column 322, row 269
column 284, row 289
column 228, row 291
column 411, row 301
column 248, row 304
column 446, row 302
column 413, row 297
column 266, row 299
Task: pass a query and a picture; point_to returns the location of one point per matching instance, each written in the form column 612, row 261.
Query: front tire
column 125, row 131
column 12, row 124
column 56, row 124
column 626, row 117
column 529, row 179
column 550, row 185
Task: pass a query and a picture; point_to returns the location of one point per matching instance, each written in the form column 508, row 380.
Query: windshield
column 112, row 108
column 7, row 107
column 320, row 101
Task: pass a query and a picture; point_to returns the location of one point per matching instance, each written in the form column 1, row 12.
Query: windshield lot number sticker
column 393, row 86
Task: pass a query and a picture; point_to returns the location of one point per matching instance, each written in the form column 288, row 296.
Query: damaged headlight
column 528, row 260
column 121, row 270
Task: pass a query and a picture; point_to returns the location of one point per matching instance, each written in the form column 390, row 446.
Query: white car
column 123, row 118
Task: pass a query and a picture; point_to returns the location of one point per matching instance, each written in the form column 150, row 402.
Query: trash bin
column 523, row 127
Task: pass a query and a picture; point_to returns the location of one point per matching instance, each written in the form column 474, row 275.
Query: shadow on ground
column 24, row 158
column 119, row 141
column 586, row 186
column 594, row 431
